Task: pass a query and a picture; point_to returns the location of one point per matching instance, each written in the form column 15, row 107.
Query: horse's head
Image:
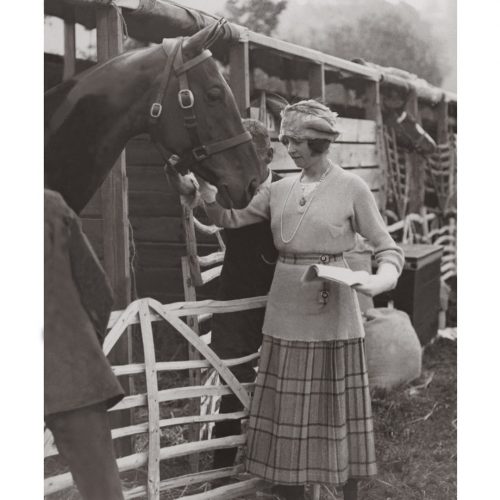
column 409, row 133
column 203, row 126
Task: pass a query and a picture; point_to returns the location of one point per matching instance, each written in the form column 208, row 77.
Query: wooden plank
column 69, row 49
column 153, row 203
column 167, row 255
column 442, row 122
column 373, row 111
column 141, row 151
column 136, row 368
column 205, row 351
column 153, row 402
column 212, row 259
column 346, row 155
column 118, row 319
column 120, row 323
column 417, row 163
column 210, row 274
column 191, row 276
column 357, row 130
column 236, row 490
column 355, row 155
column 64, row 481
column 298, row 51
column 162, row 230
column 239, row 77
column 148, row 178
column 317, row 81
column 172, row 422
column 187, row 480
column 191, row 392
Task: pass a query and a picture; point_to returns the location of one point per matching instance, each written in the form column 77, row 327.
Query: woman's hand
column 207, row 191
column 385, row 279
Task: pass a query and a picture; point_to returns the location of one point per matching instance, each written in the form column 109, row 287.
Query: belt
column 310, row 258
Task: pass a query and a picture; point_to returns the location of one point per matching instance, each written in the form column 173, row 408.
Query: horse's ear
column 203, row 39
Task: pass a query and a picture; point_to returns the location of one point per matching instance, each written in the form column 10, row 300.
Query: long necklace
column 322, row 178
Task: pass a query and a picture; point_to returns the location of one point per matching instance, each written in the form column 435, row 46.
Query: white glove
column 385, row 279
column 207, row 191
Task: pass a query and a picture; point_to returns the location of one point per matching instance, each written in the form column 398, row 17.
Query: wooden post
column 194, row 375
column 417, row 163
column 114, row 202
column 373, row 111
column 69, row 48
column 317, row 81
column 442, row 121
column 239, row 76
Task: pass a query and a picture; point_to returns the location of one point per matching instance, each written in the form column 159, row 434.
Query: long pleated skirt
column 310, row 418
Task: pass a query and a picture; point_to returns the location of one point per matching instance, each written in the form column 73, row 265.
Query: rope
column 112, row 3
column 132, row 257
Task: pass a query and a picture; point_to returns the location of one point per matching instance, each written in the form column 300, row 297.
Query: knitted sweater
column 341, row 206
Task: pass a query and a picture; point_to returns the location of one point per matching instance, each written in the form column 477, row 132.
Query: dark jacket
column 78, row 301
column 247, row 271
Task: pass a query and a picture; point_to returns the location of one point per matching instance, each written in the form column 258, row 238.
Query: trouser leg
column 289, row 492
column 83, row 439
column 230, row 404
column 351, row 490
column 226, row 457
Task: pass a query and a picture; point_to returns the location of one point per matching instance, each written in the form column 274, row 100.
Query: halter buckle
column 186, row 99
column 200, row 153
column 156, row 109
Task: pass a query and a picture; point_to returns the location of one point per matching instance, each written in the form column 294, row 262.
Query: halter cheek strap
column 185, row 97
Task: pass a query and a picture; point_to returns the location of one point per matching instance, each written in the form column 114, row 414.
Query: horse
column 409, row 133
column 173, row 91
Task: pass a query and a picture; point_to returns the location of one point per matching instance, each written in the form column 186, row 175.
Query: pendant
column 302, row 201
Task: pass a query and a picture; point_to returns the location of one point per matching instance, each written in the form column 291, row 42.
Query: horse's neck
column 90, row 121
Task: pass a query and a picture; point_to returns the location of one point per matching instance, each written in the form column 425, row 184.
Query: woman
column 310, row 420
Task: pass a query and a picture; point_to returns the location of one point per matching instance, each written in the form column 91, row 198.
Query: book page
column 318, row 272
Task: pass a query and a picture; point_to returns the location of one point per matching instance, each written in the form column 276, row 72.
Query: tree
column 260, row 16
column 377, row 31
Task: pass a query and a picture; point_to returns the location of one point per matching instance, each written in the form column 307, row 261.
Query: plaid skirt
column 310, row 418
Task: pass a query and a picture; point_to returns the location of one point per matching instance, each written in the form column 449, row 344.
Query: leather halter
column 185, row 97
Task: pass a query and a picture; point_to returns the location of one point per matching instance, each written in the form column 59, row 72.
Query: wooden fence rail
column 146, row 312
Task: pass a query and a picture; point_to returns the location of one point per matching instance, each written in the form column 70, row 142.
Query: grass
column 415, row 430
column 416, row 433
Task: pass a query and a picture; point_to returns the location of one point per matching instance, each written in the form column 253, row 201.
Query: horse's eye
column 215, row 94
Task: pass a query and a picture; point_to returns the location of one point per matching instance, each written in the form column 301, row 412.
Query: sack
column 393, row 351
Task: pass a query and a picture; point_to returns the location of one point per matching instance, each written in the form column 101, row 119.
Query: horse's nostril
column 252, row 187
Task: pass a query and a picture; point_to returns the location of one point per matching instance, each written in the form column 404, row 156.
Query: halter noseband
column 185, row 97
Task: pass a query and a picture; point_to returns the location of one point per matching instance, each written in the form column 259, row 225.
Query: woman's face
column 300, row 152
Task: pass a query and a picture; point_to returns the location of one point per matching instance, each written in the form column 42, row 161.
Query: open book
column 338, row 274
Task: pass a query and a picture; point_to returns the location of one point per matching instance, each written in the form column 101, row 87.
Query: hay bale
column 393, row 351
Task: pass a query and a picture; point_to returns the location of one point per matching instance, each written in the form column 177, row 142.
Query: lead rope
column 113, row 4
